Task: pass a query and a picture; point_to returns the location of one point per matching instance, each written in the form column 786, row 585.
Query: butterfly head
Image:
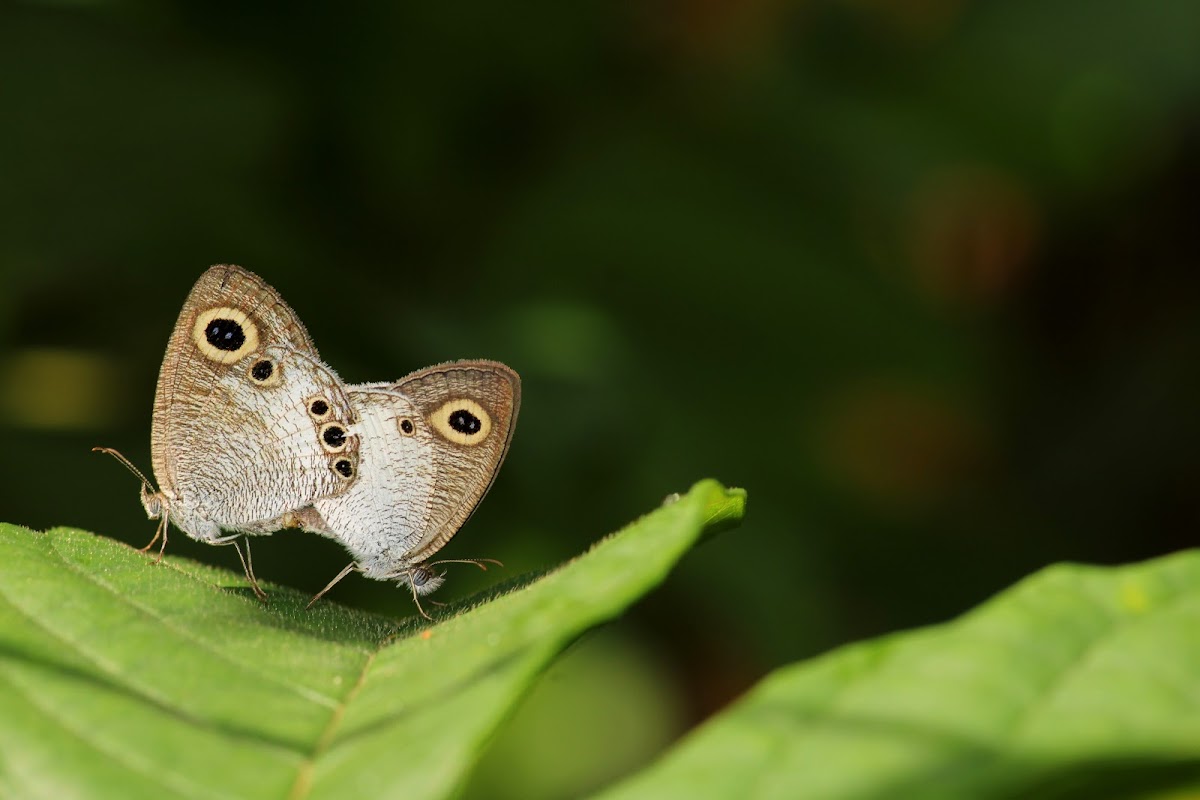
column 155, row 503
column 423, row 580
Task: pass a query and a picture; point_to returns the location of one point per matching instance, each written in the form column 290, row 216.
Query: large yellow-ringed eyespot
column 333, row 437
column 462, row 421
column 225, row 335
column 265, row 372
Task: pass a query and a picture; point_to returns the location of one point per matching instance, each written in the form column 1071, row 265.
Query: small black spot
column 406, row 426
column 319, row 408
column 261, row 370
column 334, row 436
column 465, row 422
column 225, row 334
column 344, row 468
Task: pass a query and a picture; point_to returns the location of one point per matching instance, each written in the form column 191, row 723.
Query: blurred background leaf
column 1079, row 682
column 921, row 275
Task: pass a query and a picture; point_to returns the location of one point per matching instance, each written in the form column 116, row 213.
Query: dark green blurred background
column 920, row 275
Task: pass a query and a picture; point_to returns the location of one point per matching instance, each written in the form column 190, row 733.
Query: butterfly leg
column 349, row 568
column 159, row 533
column 248, row 566
column 417, row 601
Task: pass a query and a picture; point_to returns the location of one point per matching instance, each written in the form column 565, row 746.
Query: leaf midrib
column 303, row 783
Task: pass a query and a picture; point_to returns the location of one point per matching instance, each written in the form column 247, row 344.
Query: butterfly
column 253, row 432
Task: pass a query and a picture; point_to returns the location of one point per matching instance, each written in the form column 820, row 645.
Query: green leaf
column 1078, row 682
column 121, row 679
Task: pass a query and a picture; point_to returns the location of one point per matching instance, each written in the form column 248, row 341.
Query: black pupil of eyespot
column 319, row 408
column 343, row 467
column 406, row 426
column 334, row 437
column 225, row 334
column 262, row 370
column 464, row 421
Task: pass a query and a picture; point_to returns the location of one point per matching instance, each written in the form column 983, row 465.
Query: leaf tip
column 724, row 507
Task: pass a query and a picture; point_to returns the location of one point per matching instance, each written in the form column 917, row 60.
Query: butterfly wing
column 237, row 439
column 431, row 445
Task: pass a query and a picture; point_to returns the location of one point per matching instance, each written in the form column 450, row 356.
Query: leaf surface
column 123, row 679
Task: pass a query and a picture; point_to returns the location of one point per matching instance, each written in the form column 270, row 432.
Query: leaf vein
column 304, row 773
column 303, row 691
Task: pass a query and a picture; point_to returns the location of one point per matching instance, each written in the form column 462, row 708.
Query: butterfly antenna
column 117, row 455
column 479, row 562
column 161, row 531
column 349, row 568
column 248, row 567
